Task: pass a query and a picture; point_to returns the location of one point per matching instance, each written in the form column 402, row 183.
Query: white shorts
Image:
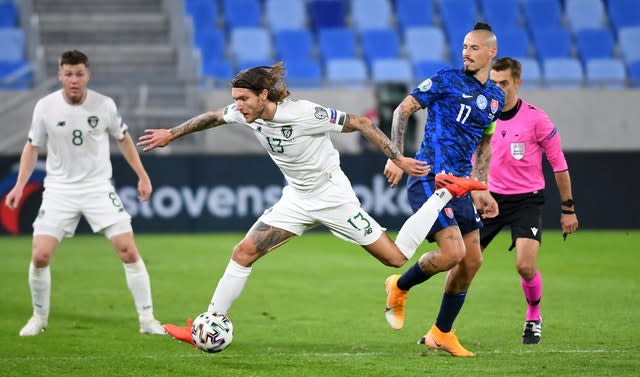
column 335, row 206
column 60, row 212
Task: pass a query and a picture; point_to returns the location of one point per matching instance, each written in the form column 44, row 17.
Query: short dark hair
column 502, row 64
column 73, row 57
column 482, row 26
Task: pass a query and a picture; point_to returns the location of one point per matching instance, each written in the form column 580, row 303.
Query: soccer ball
column 212, row 332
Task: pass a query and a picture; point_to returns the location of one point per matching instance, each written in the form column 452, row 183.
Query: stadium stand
column 543, row 14
column 285, row 15
column 250, row 44
column 336, row 43
column 594, row 43
column 531, row 73
column 417, row 37
column 242, row 13
column 414, row 13
column 379, row 44
column 8, row 14
column 562, row 73
column 391, row 70
column 629, row 40
column 605, row 73
column 502, row 15
column 585, row 14
column 552, row 43
column 347, row 72
column 370, row 14
column 425, row 69
column 623, row 13
column 293, row 44
column 326, row 14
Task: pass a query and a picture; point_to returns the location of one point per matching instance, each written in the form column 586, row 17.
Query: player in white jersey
column 295, row 133
column 74, row 123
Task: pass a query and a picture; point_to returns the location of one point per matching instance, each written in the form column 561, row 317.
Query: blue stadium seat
column 285, row 14
column 605, row 73
column 391, row 70
column 585, row 14
column 15, row 75
column 623, row 13
column 326, row 14
column 252, row 43
column 513, row 43
column 543, row 14
column 414, row 13
column 552, row 43
column 217, row 69
column 336, row 43
column 303, row 73
column 501, row 15
column 241, row 13
column 13, row 45
column 370, row 14
column 346, row 72
column 594, row 43
column 531, row 73
column 293, row 44
column 425, row 43
column 250, row 63
column 458, row 18
column 204, row 14
column 425, row 69
column 629, row 41
column 634, row 74
column 211, row 43
column 379, row 44
column 565, row 73
column 8, row 14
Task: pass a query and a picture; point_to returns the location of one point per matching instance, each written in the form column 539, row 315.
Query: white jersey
column 77, row 139
column 297, row 139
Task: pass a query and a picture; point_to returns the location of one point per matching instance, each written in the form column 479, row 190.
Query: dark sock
column 449, row 309
column 413, row 276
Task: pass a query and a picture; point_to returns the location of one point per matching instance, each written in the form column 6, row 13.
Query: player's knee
column 40, row 259
column 396, row 260
column 245, row 253
column 526, row 270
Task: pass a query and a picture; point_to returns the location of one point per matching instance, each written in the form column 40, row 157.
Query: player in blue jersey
column 462, row 106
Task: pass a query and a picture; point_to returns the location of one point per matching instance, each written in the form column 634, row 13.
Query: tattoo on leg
column 267, row 237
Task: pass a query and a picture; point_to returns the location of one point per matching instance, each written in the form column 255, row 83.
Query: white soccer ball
column 212, row 332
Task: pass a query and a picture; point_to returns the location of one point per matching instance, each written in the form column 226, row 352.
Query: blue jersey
column 460, row 111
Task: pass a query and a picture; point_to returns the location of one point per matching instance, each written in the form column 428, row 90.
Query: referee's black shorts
column 521, row 212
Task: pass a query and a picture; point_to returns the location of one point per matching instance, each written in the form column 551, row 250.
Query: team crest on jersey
column 481, row 102
column 321, row 113
column 286, row 131
column 93, row 121
column 517, row 150
column 449, row 212
column 494, row 105
column 425, row 85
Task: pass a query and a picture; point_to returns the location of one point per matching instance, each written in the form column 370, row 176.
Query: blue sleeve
column 430, row 89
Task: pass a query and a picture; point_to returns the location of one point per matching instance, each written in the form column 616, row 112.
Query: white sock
column 140, row 287
column 416, row 228
column 229, row 287
column 40, row 284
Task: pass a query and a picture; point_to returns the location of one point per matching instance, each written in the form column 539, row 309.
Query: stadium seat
column 458, row 18
column 379, row 44
column 15, row 75
column 370, row 14
column 531, row 73
column 605, row 73
column 336, row 43
column 303, row 73
column 634, row 74
column 623, row 13
column 543, row 14
column 585, row 14
column 346, row 72
column 13, row 45
column 293, row 44
column 425, row 69
column 425, row 43
column 513, row 42
column 217, row 69
column 241, row 65
column 241, row 13
column 8, row 14
column 414, row 13
column 501, row 15
column 252, row 43
column 211, row 43
column 629, row 41
column 594, row 43
column 552, row 43
column 391, row 70
column 285, row 15
column 326, row 14
column 565, row 73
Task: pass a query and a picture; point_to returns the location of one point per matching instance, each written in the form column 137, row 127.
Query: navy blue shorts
column 459, row 211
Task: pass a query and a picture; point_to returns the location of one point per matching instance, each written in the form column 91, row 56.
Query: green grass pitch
column 315, row 306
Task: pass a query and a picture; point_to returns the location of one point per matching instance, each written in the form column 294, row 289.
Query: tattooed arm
column 379, row 139
column 482, row 158
column 398, row 128
column 158, row 138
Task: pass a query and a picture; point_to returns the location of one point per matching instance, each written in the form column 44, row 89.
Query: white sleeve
column 323, row 119
column 116, row 127
column 231, row 115
column 38, row 131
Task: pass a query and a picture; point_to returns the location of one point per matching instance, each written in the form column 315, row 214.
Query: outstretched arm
column 401, row 116
column 158, row 138
column 378, row 138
